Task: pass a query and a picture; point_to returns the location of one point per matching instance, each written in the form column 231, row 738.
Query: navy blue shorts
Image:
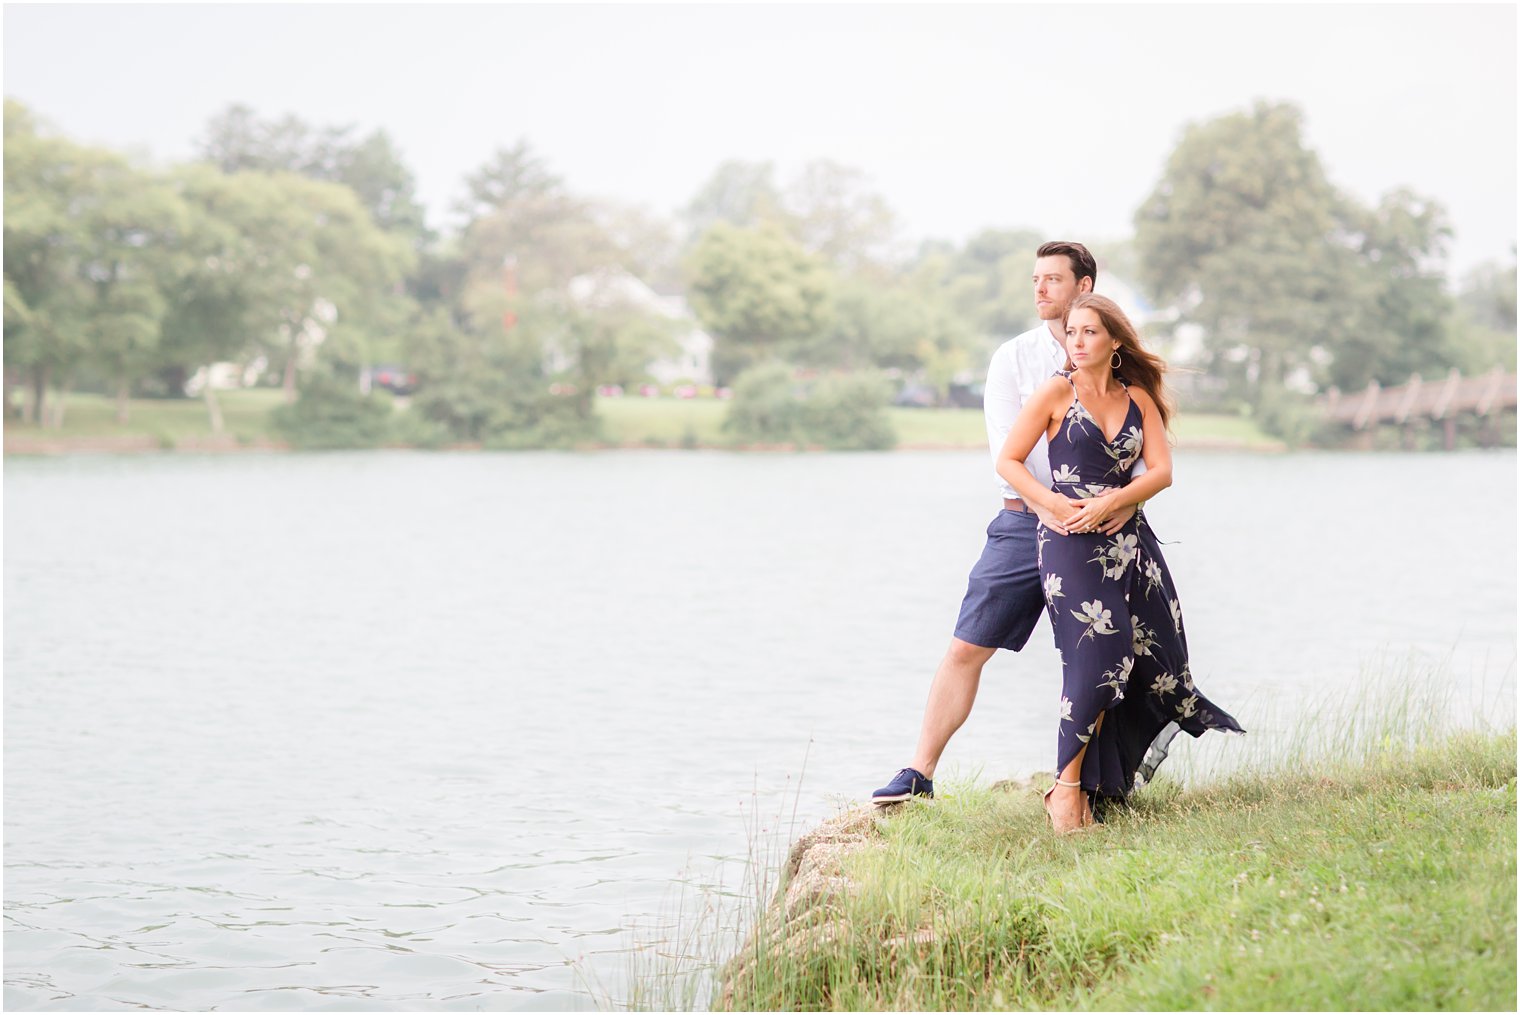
column 1003, row 598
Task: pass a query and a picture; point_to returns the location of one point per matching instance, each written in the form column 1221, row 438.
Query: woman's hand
column 1091, row 514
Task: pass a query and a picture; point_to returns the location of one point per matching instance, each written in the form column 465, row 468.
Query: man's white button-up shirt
column 1019, row 366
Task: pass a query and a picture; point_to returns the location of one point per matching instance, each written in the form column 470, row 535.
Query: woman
column 1117, row 622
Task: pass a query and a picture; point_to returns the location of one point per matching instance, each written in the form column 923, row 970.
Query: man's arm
column 1000, row 399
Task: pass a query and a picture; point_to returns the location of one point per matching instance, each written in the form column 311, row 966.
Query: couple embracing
column 1077, row 418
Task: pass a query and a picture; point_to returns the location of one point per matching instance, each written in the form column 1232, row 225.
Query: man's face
column 1055, row 286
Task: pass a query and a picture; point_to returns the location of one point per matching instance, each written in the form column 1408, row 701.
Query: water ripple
column 432, row 732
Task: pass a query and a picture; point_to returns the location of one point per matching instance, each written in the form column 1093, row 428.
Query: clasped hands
column 1092, row 514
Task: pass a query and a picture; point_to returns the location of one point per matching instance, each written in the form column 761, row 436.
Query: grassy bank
column 90, row 424
column 1384, row 881
column 90, row 420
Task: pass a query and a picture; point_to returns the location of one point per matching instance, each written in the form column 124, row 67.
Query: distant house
column 693, row 361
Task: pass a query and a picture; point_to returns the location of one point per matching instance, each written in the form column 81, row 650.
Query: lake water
column 401, row 730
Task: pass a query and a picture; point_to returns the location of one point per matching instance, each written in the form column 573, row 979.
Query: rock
column 805, row 915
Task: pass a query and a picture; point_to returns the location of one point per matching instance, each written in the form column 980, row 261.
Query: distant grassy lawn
column 669, row 421
column 1200, row 428
column 962, row 428
column 245, row 414
column 660, row 422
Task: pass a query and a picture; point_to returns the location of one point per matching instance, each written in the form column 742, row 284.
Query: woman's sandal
column 1087, row 808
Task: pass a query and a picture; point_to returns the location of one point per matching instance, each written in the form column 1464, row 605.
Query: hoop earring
column 1111, row 360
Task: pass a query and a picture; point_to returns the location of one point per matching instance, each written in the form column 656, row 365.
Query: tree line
column 304, row 250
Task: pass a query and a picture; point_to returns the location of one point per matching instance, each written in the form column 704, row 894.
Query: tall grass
column 675, row 961
column 1360, row 857
column 1396, row 703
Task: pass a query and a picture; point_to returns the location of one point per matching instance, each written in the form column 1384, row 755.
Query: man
column 1003, row 596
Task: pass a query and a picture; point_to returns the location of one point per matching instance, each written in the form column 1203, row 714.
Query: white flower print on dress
column 1078, row 413
column 1187, row 677
column 1065, row 709
column 1152, row 577
column 1053, row 587
column 1130, row 443
column 1085, row 737
column 1118, row 677
column 1124, row 450
column 1097, row 619
column 1144, row 638
column 1115, row 557
column 1078, row 422
column 1188, row 706
column 1164, row 684
column 1066, row 474
column 1176, row 615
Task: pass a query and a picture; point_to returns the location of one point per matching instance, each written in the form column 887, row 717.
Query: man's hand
column 1049, row 518
column 1119, row 519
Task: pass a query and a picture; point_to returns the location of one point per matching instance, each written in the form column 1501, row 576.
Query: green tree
column 1488, row 292
column 89, row 240
column 1397, row 313
column 742, row 194
column 833, row 215
column 1244, row 234
column 46, row 293
column 1247, row 237
column 991, row 278
column 133, row 224
column 905, row 323
column 237, row 139
column 317, row 270
column 224, row 303
column 759, row 294
column 543, row 301
column 1485, row 327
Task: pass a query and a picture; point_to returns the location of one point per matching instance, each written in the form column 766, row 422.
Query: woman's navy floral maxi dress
column 1117, row 622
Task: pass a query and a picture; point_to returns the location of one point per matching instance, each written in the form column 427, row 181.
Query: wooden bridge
column 1419, row 403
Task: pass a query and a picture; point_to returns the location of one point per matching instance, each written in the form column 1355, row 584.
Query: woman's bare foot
column 1068, row 808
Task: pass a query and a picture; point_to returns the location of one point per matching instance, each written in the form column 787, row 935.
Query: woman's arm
column 1032, row 424
column 1157, row 455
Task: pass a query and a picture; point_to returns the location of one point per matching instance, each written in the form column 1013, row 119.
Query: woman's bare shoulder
column 1054, row 385
column 1142, row 398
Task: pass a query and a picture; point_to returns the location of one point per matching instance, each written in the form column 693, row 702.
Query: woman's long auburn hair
column 1137, row 366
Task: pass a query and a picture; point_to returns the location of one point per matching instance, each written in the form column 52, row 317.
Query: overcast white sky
column 1058, row 118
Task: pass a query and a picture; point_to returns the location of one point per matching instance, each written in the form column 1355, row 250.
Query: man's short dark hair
column 1082, row 263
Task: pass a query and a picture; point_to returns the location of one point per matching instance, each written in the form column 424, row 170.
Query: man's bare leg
column 950, row 699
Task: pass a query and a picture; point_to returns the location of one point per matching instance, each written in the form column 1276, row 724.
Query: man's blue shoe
column 910, row 782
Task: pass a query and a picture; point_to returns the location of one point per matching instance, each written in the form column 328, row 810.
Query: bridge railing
column 1444, row 399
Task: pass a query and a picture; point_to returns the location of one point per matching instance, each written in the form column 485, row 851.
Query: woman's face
column 1087, row 341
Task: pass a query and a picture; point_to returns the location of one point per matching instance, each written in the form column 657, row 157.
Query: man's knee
column 962, row 654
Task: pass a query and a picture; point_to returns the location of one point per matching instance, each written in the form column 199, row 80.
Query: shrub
column 841, row 412
column 848, row 412
column 767, row 407
column 414, row 429
column 331, row 412
column 548, row 421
